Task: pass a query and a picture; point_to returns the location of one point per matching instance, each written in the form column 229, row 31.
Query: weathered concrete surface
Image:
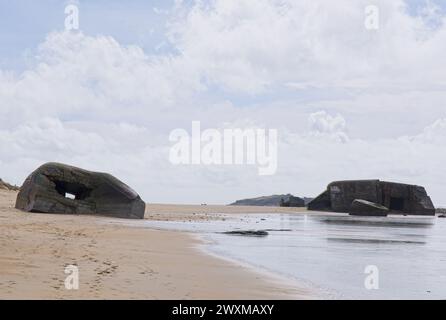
column 397, row 197
column 59, row 188
column 321, row 202
column 361, row 207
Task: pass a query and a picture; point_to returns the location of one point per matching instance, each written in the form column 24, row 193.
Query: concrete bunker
column 59, row 188
column 398, row 198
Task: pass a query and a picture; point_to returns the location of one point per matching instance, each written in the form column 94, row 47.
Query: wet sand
column 182, row 213
column 118, row 261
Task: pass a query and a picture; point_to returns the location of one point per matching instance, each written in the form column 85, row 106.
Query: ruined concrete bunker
column 399, row 198
column 59, row 188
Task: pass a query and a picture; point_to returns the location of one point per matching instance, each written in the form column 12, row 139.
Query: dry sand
column 119, row 261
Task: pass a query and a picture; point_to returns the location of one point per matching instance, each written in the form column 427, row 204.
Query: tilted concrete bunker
column 397, row 197
column 59, row 188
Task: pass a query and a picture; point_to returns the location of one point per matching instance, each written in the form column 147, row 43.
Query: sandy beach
column 122, row 262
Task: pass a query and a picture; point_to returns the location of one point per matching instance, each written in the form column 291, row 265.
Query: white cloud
column 78, row 76
column 435, row 133
column 323, row 124
column 373, row 101
column 306, row 162
column 254, row 47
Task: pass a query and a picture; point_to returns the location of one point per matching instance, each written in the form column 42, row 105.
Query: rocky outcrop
column 59, row 188
column 285, row 200
column 292, row 201
column 366, row 208
column 397, row 197
column 6, row 186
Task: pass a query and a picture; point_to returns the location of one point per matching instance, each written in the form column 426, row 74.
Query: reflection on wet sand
column 330, row 252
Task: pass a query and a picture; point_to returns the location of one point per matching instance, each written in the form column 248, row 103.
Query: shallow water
column 331, row 252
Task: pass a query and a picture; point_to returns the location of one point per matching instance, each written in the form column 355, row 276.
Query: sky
column 348, row 102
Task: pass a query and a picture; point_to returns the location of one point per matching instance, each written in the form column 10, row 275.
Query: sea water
column 339, row 255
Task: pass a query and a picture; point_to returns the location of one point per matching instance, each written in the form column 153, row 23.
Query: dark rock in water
column 252, row 233
column 442, row 216
column 285, row 200
column 59, row 188
column 397, row 197
column 367, row 208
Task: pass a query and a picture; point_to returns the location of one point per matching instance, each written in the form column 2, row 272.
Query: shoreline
column 306, row 290
column 118, row 262
column 303, row 291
